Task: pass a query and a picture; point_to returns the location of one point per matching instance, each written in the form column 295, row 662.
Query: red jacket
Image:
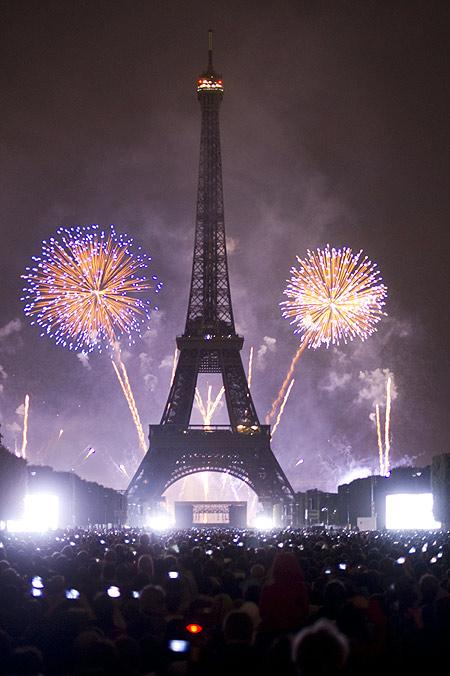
column 284, row 600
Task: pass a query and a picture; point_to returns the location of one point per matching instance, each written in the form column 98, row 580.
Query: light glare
column 410, row 511
column 263, row 522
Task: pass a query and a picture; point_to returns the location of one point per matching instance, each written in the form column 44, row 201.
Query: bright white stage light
column 161, row 522
column 41, row 513
column 410, row 511
column 263, row 522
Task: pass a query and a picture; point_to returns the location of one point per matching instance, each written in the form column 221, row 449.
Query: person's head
column 238, row 628
column 144, row 540
column 286, row 568
column 334, row 594
column 152, row 600
column 145, row 565
column 103, row 607
column 429, row 587
column 319, row 650
column 257, row 572
column 94, row 654
column 27, row 661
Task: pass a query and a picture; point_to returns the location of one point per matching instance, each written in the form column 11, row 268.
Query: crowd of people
column 223, row 602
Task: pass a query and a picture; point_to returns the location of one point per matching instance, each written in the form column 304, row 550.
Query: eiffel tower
column 209, row 344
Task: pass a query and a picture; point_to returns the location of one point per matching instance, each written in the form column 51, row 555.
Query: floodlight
column 41, row 513
column 410, row 511
column 263, row 522
column 160, row 522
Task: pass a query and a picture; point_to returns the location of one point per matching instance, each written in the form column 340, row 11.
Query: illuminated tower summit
column 209, row 344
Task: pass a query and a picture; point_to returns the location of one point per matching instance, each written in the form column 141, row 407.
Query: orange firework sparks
column 384, row 452
column 84, row 290
column 282, row 393
column 23, row 450
column 280, row 412
column 333, row 296
column 387, row 423
column 174, row 365
column 207, row 411
column 380, row 442
column 250, row 368
column 124, row 382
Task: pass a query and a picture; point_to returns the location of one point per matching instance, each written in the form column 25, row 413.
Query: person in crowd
column 222, row 602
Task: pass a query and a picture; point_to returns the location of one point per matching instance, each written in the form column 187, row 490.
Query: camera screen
column 72, row 594
column 179, row 646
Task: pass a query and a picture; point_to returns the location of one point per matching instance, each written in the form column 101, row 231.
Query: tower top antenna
column 209, row 80
column 210, row 48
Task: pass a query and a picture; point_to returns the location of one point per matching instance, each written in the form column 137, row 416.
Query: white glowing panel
column 41, row 513
column 410, row 511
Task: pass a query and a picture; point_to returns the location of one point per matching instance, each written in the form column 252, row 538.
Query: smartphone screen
column 179, row 646
column 72, row 594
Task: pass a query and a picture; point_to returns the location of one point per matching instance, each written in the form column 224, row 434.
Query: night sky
column 334, row 129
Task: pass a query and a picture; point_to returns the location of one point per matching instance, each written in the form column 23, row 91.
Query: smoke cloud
column 166, row 362
column 11, row 327
column 84, row 359
column 334, row 381
column 374, row 386
column 268, row 345
column 20, row 410
column 146, row 365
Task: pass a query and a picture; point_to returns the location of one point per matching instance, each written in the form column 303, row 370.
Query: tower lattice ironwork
column 209, row 344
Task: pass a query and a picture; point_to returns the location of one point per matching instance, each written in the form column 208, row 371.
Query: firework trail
column 90, row 452
column 379, row 439
column 83, row 292
column 280, row 412
column 207, row 411
column 126, row 387
column 50, row 445
column 250, row 368
column 216, row 401
column 387, row 422
column 199, row 403
column 282, row 393
column 120, row 468
column 23, row 450
column 82, row 457
column 123, row 470
column 205, row 482
column 230, row 480
column 333, row 297
column 384, row 452
column 174, row 365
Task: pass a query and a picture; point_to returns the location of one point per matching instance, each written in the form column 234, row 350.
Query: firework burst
column 334, row 296
column 83, row 289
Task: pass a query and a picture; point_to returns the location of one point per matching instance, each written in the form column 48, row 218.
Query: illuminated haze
column 332, row 131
